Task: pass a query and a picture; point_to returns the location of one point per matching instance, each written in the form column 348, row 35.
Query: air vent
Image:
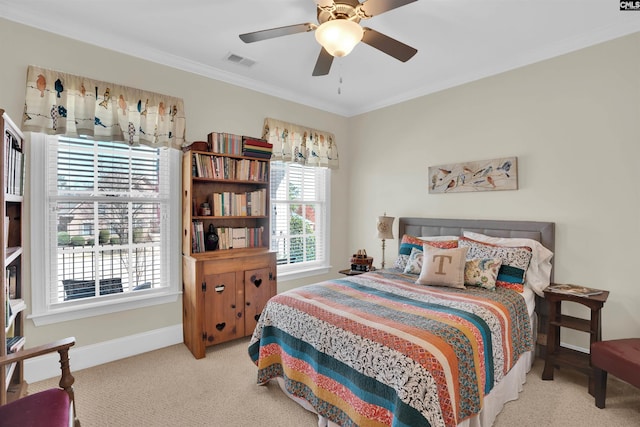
column 241, row 60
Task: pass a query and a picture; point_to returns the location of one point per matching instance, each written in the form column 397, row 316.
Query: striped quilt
column 378, row 350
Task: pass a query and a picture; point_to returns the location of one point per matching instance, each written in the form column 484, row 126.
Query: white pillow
column 438, row 238
column 538, row 275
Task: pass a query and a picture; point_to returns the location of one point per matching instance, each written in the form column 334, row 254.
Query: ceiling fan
column 339, row 30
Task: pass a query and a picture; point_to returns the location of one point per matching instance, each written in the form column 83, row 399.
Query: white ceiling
column 457, row 40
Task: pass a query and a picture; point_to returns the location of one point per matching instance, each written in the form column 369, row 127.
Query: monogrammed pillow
column 443, row 267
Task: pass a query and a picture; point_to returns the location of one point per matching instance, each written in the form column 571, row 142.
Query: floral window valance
column 64, row 104
column 299, row 144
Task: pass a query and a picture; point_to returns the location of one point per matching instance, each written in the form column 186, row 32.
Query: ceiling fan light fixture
column 339, row 36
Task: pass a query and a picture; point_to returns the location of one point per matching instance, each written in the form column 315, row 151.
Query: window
column 299, row 220
column 105, row 223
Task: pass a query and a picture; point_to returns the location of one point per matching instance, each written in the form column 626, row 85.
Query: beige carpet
column 168, row 387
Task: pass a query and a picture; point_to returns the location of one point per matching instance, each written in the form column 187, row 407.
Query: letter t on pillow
column 443, row 267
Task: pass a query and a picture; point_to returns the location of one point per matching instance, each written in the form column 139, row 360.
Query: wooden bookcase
column 225, row 290
column 12, row 384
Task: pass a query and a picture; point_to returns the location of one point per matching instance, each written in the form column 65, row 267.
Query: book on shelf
column 13, row 163
column 255, row 142
column 254, row 147
column 569, row 289
column 225, row 143
column 15, row 343
column 17, row 305
column 12, row 308
column 250, row 203
column 6, row 231
column 197, row 237
column 257, row 154
column 240, row 237
column 7, row 306
column 217, row 167
column 228, row 237
column 12, row 280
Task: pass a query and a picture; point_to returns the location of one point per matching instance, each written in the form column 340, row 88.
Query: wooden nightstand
column 559, row 355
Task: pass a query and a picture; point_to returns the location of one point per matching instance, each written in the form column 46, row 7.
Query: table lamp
column 385, row 230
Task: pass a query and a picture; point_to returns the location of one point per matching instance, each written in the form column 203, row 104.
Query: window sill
column 301, row 274
column 102, row 307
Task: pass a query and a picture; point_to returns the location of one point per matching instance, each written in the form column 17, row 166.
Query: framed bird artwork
column 481, row 175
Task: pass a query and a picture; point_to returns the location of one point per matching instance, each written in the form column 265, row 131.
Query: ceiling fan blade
column 324, row 3
column 323, row 64
column 277, row 32
column 386, row 44
column 376, row 7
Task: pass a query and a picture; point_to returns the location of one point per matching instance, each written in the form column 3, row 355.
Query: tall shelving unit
column 225, row 290
column 12, row 384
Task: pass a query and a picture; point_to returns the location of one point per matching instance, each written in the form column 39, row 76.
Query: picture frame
column 481, row 175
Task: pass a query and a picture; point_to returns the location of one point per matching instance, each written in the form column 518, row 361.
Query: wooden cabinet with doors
column 223, row 298
column 226, row 288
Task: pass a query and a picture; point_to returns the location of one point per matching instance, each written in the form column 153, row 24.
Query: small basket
column 361, row 262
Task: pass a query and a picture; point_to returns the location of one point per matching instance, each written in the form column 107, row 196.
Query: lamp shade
column 385, row 227
column 339, row 36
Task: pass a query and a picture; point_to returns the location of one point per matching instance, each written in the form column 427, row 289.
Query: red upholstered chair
column 51, row 408
column 620, row 358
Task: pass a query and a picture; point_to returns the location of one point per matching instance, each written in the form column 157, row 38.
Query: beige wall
column 210, row 106
column 573, row 122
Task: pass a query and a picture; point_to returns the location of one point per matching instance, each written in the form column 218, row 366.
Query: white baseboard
column 48, row 366
column 575, row 347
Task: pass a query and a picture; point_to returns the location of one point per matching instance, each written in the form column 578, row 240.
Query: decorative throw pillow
column 409, row 242
column 514, row 261
column 482, row 272
column 414, row 265
column 538, row 274
column 443, row 267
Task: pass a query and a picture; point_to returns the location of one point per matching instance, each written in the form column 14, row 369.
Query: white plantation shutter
column 299, row 215
column 108, row 216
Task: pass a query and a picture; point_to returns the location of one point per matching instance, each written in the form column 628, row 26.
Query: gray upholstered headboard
column 543, row 232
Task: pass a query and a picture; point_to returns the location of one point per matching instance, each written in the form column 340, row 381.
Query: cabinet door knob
column 248, row 303
column 233, row 306
column 239, row 315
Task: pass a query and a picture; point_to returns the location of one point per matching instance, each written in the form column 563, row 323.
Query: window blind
column 299, row 213
column 108, row 218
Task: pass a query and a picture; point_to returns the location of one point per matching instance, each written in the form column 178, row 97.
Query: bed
column 381, row 349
